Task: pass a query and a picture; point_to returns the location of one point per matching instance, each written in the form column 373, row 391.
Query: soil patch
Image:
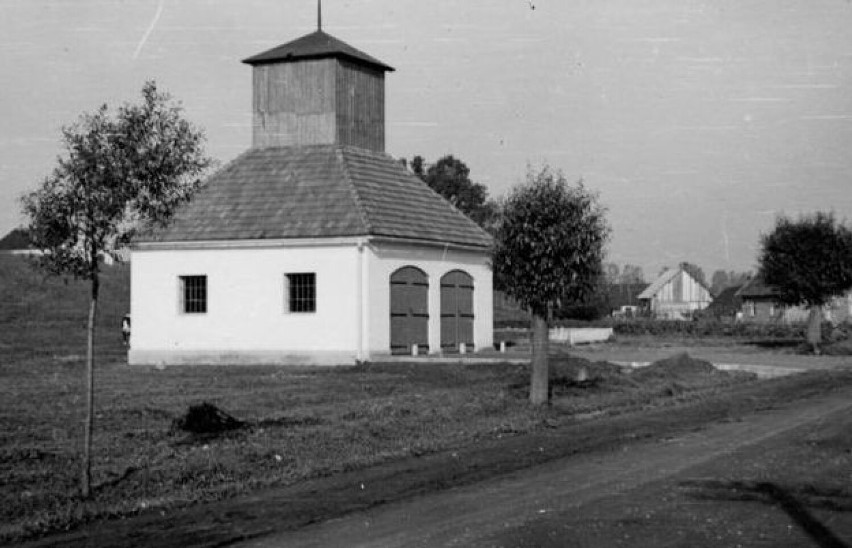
column 206, row 418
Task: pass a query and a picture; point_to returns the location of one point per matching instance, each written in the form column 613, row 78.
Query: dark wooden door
column 409, row 310
column 456, row 311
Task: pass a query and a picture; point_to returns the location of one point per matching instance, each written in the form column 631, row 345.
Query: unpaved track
column 479, row 514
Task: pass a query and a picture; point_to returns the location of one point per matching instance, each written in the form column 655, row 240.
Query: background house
column 726, row 305
column 760, row 303
column 675, row 295
column 314, row 246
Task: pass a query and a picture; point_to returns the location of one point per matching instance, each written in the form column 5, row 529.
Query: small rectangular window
column 194, row 294
column 301, row 292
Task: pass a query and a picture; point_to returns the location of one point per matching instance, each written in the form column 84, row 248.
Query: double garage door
column 409, row 311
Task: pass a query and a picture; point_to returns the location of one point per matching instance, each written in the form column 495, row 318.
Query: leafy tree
column 722, row 280
column 632, row 274
column 450, row 177
column 417, row 164
column 611, row 273
column 118, row 174
column 628, row 274
column 719, row 281
column 548, row 251
column 738, row 278
column 808, row 261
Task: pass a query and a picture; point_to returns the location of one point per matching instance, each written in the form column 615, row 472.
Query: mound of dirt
column 579, row 369
column 206, row 418
column 571, row 372
column 677, row 366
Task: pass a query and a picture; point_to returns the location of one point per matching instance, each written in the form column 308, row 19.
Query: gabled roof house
column 761, row 304
column 726, row 304
column 675, row 294
column 314, row 246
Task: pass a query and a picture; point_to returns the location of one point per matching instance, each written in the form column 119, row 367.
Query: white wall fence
column 580, row 335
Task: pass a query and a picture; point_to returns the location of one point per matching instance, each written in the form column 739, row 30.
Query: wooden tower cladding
column 318, row 90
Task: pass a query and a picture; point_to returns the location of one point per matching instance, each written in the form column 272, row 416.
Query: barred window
column 301, row 292
column 194, row 294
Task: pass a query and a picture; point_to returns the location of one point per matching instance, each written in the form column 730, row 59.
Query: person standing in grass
column 125, row 329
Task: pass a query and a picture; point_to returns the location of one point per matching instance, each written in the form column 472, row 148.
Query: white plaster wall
column 382, row 259
column 246, row 303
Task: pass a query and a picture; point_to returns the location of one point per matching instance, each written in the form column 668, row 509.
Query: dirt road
column 533, row 506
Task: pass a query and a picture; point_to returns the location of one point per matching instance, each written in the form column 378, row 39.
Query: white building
column 314, row 246
column 674, row 295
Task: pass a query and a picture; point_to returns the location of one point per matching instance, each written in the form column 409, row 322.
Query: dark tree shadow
column 788, row 500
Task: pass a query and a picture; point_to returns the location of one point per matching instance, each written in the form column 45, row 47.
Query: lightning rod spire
column 319, row 14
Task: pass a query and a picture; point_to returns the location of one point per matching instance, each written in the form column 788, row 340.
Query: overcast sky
column 697, row 121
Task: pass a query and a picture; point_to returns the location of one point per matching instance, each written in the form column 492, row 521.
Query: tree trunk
column 539, row 375
column 86, row 484
column 815, row 328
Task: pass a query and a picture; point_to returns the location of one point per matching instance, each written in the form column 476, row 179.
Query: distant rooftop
column 756, row 288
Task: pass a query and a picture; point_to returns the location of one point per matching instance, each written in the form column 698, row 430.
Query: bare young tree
column 118, row 174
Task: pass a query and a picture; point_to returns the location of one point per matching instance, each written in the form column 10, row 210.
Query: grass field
column 45, row 316
column 299, row 423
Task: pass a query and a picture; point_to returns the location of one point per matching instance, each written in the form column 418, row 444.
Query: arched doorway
column 456, row 311
column 409, row 311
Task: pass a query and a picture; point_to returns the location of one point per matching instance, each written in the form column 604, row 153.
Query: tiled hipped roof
column 317, row 192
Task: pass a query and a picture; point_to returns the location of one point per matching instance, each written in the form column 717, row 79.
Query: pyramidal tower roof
column 316, row 45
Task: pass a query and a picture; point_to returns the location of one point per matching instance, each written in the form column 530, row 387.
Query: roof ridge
column 449, row 203
column 661, row 280
column 350, row 184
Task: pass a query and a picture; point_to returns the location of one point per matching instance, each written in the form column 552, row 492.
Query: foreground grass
column 301, row 423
